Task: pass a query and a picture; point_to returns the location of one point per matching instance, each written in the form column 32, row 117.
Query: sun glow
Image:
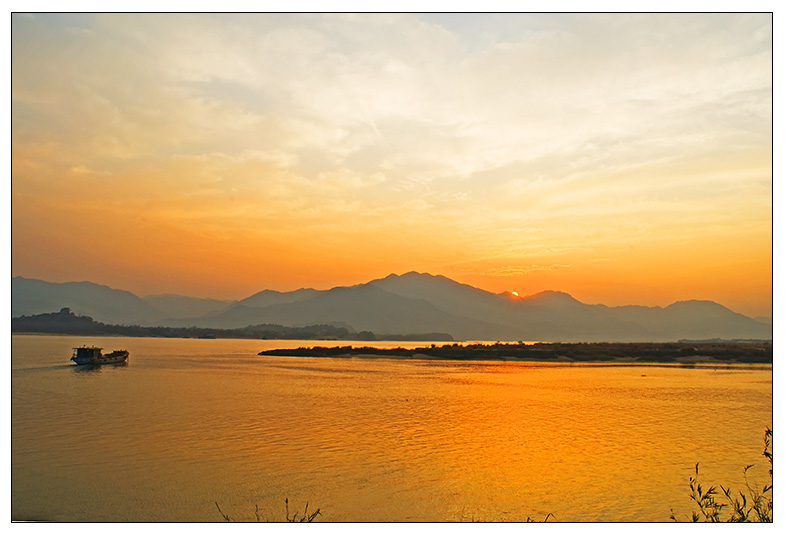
column 372, row 154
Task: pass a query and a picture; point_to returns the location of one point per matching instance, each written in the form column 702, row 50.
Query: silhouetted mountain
column 450, row 296
column 271, row 297
column 240, row 313
column 105, row 304
column 234, row 316
column 413, row 303
column 550, row 299
column 180, row 306
column 364, row 307
column 547, row 315
column 702, row 319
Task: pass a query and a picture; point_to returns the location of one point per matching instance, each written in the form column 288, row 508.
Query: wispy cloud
column 511, row 271
column 581, row 131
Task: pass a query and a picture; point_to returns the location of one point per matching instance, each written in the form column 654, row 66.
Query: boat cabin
column 87, row 352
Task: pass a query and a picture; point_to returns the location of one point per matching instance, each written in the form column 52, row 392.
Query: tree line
column 66, row 322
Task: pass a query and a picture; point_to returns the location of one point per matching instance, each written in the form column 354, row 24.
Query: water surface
column 190, row 422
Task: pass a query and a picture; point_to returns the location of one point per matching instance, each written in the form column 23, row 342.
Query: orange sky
column 625, row 159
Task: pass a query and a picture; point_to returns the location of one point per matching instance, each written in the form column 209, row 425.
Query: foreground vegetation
column 730, row 352
column 724, row 505
column 748, row 505
column 296, row 517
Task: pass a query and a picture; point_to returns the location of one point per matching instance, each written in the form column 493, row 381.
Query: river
column 188, row 423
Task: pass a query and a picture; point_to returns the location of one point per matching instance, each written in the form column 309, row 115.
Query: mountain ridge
column 408, row 303
column 83, row 297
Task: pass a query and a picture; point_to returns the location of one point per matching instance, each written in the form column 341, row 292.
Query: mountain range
column 409, row 303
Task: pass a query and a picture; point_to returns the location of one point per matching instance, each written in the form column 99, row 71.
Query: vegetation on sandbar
column 645, row 352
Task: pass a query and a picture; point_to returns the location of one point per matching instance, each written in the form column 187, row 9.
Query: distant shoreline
column 707, row 362
column 683, row 353
column 66, row 322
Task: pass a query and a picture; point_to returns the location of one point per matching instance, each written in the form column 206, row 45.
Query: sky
column 622, row 158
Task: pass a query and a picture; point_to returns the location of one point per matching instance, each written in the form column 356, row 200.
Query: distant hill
column 368, row 307
column 557, row 316
column 266, row 298
column 364, row 307
column 180, row 306
column 240, row 313
column 703, row 319
column 411, row 303
column 33, row 296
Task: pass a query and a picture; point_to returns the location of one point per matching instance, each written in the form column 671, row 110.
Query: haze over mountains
column 409, row 303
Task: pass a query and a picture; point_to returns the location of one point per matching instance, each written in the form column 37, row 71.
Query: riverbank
column 677, row 353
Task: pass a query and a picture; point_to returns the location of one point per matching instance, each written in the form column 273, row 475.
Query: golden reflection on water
column 191, row 422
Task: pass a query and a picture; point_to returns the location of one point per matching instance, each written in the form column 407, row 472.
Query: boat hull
column 94, row 358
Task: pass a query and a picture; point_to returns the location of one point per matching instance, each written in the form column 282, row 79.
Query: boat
column 93, row 355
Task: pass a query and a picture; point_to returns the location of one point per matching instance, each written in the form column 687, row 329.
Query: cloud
column 341, row 86
column 577, row 131
column 82, row 169
column 512, row 271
